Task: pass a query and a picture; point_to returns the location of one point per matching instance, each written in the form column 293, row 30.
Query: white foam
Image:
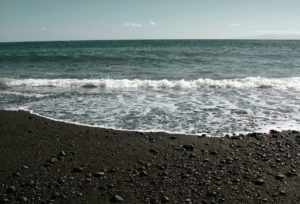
column 27, row 95
column 289, row 83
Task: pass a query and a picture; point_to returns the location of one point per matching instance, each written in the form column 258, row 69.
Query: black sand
column 43, row 161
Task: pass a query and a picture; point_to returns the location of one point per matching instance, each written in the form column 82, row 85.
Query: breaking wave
column 289, row 83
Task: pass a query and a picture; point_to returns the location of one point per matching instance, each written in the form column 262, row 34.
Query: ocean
column 215, row 87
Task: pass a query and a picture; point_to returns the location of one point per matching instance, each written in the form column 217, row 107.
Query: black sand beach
column 44, row 161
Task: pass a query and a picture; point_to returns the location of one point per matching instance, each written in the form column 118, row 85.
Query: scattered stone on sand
column 188, row 147
column 25, row 167
column 116, row 198
column 23, row 199
column 165, row 199
column 77, row 170
column 279, row 176
column 11, row 189
column 259, row 182
column 99, row 174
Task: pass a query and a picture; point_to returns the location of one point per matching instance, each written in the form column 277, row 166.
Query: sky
column 47, row 20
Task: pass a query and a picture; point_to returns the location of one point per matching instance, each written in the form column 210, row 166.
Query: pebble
column 143, row 173
column 259, row 182
column 188, row 200
column 77, row 170
column 11, row 189
column 99, row 174
column 53, row 160
column 188, row 147
column 279, row 176
column 62, row 153
column 192, row 155
column 154, row 151
column 23, row 199
column 282, row 192
column 116, row 198
column 25, row 167
column 165, row 199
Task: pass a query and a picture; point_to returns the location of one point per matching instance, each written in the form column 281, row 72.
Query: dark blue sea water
column 187, row 86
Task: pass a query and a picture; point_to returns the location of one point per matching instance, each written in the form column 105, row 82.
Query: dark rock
column 192, row 155
column 188, row 147
column 154, row 151
column 53, row 160
column 23, row 199
column 213, row 153
column 143, row 173
column 4, row 200
column 165, row 199
column 62, row 153
column 291, row 172
column 11, row 189
column 282, row 192
column 274, row 132
column 25, row 167
column 279, row 176
column 99, row 174
column 188, row 200
column 77, row 170
column 116, row 198
column 56, row 195
column 173, row 137
column 259, row 182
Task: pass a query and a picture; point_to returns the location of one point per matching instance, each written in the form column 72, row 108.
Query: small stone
column 165, row 199
column 291, row 173
column 11, row 189
column 143, row 173
column 116, row 198
column 282, row 192
column 188, row 200
column 25, row 167
column 62, row 153
column 5, row 200
column 279, row 176
column 77, row 170
column 154, row 151
column 259, row 182
column 192, row 155
column 23, row 199
column 56, row 195
column 188, row 147
column 53, row 160
column 99, row 174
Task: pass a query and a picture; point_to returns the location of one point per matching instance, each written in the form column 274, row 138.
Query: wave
column 289, row 83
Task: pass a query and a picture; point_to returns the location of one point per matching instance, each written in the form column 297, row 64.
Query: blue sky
column 35, row 20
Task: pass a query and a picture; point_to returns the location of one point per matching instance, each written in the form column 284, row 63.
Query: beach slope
column 45, row 161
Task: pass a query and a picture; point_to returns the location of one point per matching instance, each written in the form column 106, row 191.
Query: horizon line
column 155, row 39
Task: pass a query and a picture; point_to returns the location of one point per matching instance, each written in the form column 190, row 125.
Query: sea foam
column 289, row 83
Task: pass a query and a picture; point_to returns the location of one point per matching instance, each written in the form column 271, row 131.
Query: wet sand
column 45, row 161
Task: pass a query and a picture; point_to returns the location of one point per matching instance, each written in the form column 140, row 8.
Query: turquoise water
column 188, row 86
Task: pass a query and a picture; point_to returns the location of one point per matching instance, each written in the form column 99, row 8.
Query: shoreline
column 204, row 134
column 47, row 161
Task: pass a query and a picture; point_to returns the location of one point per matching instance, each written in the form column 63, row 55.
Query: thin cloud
column 127, row 24
column 152, row 23
column 234, row 25
column 43, row 28
column 276, row 32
